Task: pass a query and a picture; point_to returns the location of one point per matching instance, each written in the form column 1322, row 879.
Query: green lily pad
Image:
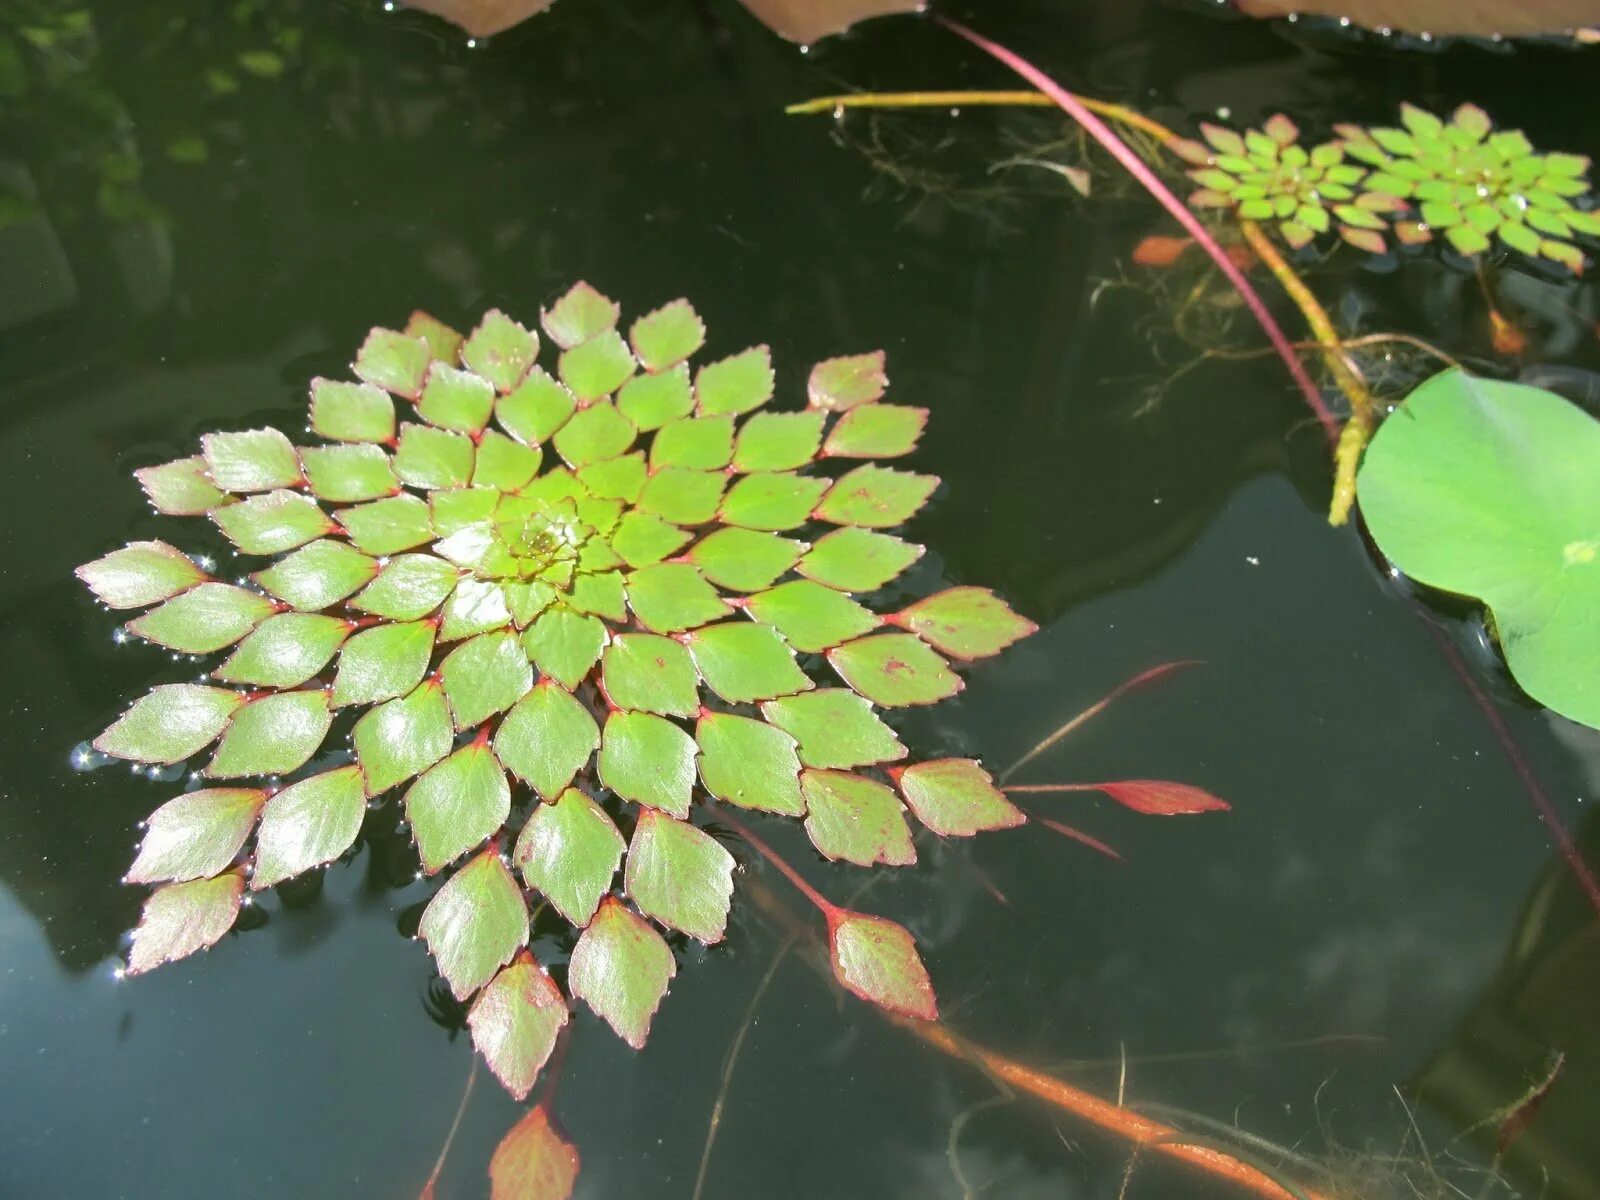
column 431, row 458
column 284, row 651
column 500, row 350
column 409, row 586
column 680, row 876
column 346, row 474
column 681, row 495
column 394, row 362
column 273, row 522
column 1489, row 489
column 744, row 662
column 877, row 431
column 547, row 738
column 140, row 573
column 840, row 384
column 485, row 676
column 475, row 923
column 569, row 852
column 515, row 1022
column 779, row 441
column 502, row 464
column 580, row 314
column 955, row 797
column 701, row 443
column 196, row 835
column 621, row 969
column 308, row 824
column 857, row 560
column 351, row 412
column 772, row 501
column 644, row 539
column 323, row 573
column 180, row 919
column 856, row 819
column 812, row 618
column 565, row 645
column 258, row 460
column 170, row 723
column 273, row 735
column 895, row 670
column 388, row 526
column 878, row 961
column 181, row 488
column 203, row 619
column 744, row 560
column 667, row 336
column 876, row 497
column 594, row 433
column 965, row 622
column 644, row 672
column 834, row 728
column 735, row 384
column 749, row 763
column 383, row 662
column 403, row 737
column 672, row 597
column 648, row 760
column 536, row 408
column 597, row 367
column 457, row 804
column 650, row 401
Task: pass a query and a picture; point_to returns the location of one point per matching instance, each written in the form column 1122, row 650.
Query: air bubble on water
column 955, row 112
column 472, row 43
column 1224, row 112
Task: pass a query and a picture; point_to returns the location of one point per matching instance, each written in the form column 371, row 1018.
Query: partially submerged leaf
column 308, row 824
column 515, row 1022
column 182, row 918
column 475, row 923
column 533, row 1161
column 1161, row 797
column 621, row 968
column 878, row 961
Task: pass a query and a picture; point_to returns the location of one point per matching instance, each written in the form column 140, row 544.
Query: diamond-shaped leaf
column 500, row 350
column 402, row 737
column 257, row 460
column 196, row 835
column 443, row 341
column 272, row 735
column 644, row 539
column 834, row 728
column 843, row 383
column 599, row 595
column 565, row 645
column 180, row 919
column 433, row 458
column 667, row 336
column 680, row 875
column 735, row 384
column 701, row 443
column 475, row 923
column 877, row 431
column 382, row 662
column 456, row 804
column 409, row 587
column 876, row 497
column 455, row 399
column 856, row 819
column 170, row 723
column 749, row 763
column 485, row 676
column 812, row 618
column 346, row 474
column 615, row 478
column 743, row 662
column 203, row 619
column 650, row 401
column 895, row 670
column 308, row 824
column 672, row 597
column 597, row 367
column 955, row 797
column 772, row 500
column 648, row 760
column 594, row 433
column 533, row 1161
column 140, row 573
column 547, row 738
column 323, row 573
column 878, row 961
column 181, row 488
column 744, row 560
column 388, row 526
column 857, row 560
column 453, row 509
column 351, row 412
column 965, row 622
column 569, row 852
column 515, row 1022
column 580, row 314
column 650, row 673
column 273, row 522
column 394, row 362
column 475, row 606
column 621, row 969
column 779, row 441
column 284, row 651
column 536, row 408
column 502, row 464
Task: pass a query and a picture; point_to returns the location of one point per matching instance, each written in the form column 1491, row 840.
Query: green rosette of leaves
column 560, row 613
column 1474, row 184
column 1267, row 175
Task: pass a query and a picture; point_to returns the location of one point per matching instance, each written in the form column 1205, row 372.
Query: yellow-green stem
column 958, row 99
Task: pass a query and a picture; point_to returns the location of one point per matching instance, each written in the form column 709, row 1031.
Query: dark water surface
column 1382, row 884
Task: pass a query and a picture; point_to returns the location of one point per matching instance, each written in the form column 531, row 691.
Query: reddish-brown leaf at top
column 798, row 20
column 1481, row 17
column 1077, row 835
column 1162, row 798
column 533, row 1161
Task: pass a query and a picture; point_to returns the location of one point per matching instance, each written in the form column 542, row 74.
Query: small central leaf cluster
column 1459, row 178
column 566, row 611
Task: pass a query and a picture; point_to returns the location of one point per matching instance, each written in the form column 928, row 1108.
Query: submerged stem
column 827, row 907
column 979, row 99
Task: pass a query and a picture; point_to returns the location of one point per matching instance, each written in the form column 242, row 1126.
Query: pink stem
column 829, row 909
column 1152, row 184
column 1035, row 789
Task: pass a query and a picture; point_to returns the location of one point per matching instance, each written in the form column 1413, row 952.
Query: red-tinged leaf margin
column 857, row 942
column 180, row 919
column 533, row 1161
column 515, row 1022
column 840, row 384
column 1153, row 797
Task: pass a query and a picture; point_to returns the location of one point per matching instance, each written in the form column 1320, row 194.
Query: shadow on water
column 202, row 231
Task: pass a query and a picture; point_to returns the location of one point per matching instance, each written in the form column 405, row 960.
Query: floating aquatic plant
column 606, row 588
column 1474, row 183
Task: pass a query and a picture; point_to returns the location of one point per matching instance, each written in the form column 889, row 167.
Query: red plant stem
column 828, row 908
column 1148, row 179
column 1041, row 788
column 1508, row 744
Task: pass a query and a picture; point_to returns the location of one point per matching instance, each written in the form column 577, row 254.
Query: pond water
column 1382, row 908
